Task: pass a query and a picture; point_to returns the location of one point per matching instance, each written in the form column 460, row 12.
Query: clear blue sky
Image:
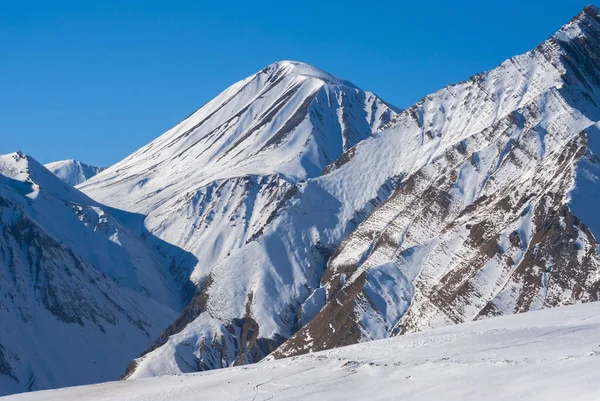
column 96, row 80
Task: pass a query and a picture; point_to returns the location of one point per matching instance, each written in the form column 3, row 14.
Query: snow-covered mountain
column 80, row 294
column 461, row 207
column 73, row 172
column 211, row 184
column 550, row 355
column 296, row 212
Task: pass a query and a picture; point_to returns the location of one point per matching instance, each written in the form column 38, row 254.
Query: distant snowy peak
column 28, row 177
column 73, row 172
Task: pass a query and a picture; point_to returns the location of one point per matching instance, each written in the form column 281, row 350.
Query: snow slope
column 210, row 183
column 289, row 119
column 547, row 355
column 80, row 294
column 73, row 172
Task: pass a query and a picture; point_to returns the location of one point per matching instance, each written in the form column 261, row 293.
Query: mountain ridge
column 380, row 241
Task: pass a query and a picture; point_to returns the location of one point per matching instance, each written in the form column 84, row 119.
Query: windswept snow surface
column 546, row 355
column 73, row 172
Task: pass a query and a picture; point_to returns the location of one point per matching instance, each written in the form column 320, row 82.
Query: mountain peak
column 290, row 118
column 300, row 69
column 586, row 24
column 73, row 172
column 14, row 165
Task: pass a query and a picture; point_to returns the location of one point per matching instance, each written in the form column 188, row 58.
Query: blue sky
column 96, row 80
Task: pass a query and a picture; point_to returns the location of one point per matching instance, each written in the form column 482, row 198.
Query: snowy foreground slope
column 73, row 172
column 546, row 355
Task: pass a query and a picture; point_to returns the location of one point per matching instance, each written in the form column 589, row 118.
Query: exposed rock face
column 484, row 226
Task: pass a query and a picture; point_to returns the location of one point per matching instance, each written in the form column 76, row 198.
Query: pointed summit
column 299, row 69
column 591, row 15
column 586, row 23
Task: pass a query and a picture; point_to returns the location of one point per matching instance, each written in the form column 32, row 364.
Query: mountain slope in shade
column 460, row 208
column 73, row 172
column 80, row 294
column 547, row 355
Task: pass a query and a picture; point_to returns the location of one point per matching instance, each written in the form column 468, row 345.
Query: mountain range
column 296, row 213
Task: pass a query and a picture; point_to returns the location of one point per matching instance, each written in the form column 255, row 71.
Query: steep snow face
column 80, row 294
column 459, row 209
column 73, row 172
column 547, row 355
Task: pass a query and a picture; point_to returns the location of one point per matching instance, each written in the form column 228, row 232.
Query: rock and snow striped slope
column 496, row 174
column 549, row 355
